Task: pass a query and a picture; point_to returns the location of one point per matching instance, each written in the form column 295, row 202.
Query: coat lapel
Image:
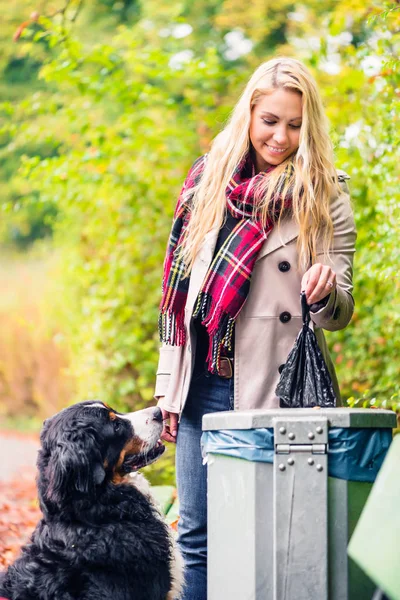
column 287, row 232
column 279, row 236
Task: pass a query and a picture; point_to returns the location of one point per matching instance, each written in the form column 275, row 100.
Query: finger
column 165, row 414
column 167, row 437
column 320, row 287
column 327, row 285
column 323, row 289
column 170, row 426
column 304, row 280
column 173, row 424
column 165, row 418
column 165, row 430
column 312, row 281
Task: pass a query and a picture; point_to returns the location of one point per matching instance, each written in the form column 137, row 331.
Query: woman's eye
column 274, row 123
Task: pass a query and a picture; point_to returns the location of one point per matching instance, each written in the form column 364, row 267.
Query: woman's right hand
column 170, row 425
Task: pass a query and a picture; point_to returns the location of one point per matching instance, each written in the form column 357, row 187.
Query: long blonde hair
column 313, row 171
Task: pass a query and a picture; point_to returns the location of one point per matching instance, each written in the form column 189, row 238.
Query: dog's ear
column 74, row 466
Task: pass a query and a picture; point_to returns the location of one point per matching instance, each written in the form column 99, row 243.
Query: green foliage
column 109, row 133
column 368, row 350
column 127, row 132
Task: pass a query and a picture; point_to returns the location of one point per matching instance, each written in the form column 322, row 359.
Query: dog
column 101, row 536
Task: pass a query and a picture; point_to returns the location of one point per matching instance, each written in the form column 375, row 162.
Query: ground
column 19, row 510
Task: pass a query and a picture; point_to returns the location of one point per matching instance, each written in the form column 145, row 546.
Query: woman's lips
column 276, row 150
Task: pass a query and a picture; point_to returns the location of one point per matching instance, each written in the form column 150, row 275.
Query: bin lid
column 337, row 417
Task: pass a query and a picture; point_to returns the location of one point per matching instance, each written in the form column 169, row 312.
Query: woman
column 261, row 217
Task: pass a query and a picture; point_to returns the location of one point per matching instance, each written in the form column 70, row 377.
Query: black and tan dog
column 101, row 536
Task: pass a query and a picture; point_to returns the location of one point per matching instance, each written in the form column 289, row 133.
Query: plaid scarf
column 227, row 283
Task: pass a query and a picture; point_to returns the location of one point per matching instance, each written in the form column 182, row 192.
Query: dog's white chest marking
column 176, row 565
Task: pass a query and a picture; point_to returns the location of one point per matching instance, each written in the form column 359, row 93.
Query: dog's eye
column 117, row 425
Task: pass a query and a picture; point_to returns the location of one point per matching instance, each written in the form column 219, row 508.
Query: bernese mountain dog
column 101, row 536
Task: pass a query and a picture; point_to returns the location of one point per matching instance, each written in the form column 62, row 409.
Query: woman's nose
column 280, row 136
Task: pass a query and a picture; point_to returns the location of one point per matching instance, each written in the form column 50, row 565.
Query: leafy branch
column 64, row 13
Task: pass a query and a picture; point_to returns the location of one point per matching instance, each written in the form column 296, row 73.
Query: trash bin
column 285, row 490
column 380, row 523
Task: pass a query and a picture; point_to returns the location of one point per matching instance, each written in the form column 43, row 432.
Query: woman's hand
column 170, row 425
column 318, row 282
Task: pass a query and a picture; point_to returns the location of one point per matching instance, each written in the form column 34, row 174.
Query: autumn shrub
column 34, row 378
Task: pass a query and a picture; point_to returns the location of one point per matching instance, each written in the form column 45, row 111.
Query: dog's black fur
column 100, row 537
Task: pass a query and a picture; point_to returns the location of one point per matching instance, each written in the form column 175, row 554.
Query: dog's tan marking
column 117, row 478
column 112, row 416
column 121, row 459
column 133, row 446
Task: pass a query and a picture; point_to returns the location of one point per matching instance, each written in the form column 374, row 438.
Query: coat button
column 285, row 317
column 284, row 266
column 281, row 367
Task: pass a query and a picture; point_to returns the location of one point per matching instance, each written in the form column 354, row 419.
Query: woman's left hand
column 318, row 282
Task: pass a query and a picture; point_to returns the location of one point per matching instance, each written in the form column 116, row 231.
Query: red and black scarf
column 227, row 283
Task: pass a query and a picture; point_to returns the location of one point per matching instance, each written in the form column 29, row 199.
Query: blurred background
column 104, row 106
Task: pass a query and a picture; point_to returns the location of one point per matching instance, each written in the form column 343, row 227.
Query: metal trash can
column 285, row 490
column 380, row 522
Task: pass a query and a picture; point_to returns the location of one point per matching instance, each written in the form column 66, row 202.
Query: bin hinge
column 292, row 448
column 301, row 434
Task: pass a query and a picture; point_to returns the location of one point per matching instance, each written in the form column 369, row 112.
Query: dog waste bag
column 305, row 380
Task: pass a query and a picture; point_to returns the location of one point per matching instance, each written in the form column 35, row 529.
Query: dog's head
column 88, row 445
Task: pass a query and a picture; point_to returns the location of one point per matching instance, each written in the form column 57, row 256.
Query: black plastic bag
column 305, row 380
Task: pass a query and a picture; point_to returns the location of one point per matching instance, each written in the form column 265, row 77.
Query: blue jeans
column 208, row 393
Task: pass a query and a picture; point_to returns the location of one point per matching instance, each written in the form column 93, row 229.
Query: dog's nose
column 157, row 414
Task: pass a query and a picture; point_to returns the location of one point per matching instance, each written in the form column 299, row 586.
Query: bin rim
column 337, row 417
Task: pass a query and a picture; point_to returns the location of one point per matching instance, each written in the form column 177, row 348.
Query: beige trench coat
column 270, row 320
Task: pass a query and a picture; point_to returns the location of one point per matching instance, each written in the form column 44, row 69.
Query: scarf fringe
column 171, row 328
column 220, row 327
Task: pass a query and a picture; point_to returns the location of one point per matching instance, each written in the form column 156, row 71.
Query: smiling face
column 275, row 127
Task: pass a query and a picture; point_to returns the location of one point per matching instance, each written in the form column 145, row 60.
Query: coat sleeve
column 337, row 312
column 166, row 352
column 164, row 370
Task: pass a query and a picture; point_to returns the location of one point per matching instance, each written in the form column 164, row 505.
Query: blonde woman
column 261, row 217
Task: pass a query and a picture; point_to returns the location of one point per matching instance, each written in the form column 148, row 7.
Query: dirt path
column 19, row 510
column 17, row 452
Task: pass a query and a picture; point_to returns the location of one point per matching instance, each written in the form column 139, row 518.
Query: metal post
column 300, row 508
